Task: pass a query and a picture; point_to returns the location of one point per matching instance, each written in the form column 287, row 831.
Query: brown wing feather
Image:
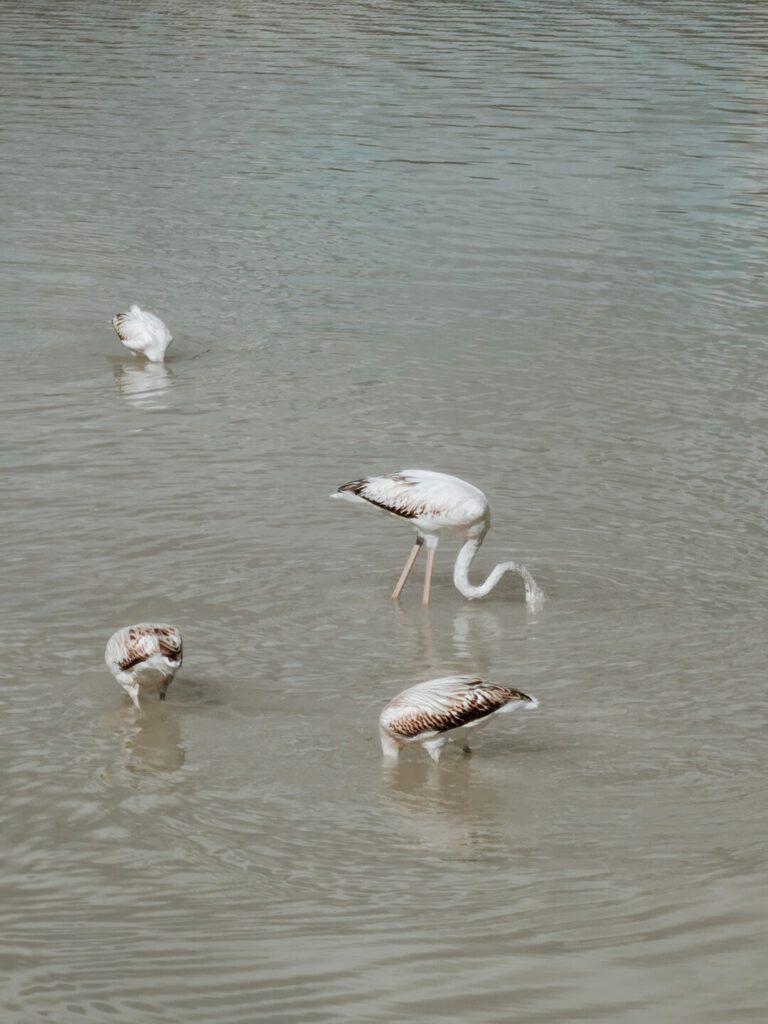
column 130, row 660
column 360, row 488
column 141, row 642
column 474, row 704
column 118, row 325
column 169, row 642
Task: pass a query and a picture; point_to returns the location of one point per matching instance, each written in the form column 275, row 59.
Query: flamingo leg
column 428, row 573
column 463, row 740
column 132, row 689
column 434, row 747
column 407, row 568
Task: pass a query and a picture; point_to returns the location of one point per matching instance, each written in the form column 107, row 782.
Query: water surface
column 523, row 243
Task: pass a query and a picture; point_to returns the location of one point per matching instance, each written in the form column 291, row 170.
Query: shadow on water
column 145, row 385
column 430, row 800
column 418, row 628
column 475, row 631
column 150, row 739
column 457, row 805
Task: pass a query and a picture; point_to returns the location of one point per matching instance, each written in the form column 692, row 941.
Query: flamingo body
column 437, row 504
column 143, row 333
column 144, row 657
column 431, row 713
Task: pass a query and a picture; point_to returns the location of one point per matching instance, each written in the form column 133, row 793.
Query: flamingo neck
column 464, row 560
column 469, row 549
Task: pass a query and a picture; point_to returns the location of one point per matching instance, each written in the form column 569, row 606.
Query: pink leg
column 407, row 568
column 428, row 574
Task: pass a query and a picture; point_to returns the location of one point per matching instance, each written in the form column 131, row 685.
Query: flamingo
column 431, row 713
column 438, row 504
column 144, row 656
column 143, row 332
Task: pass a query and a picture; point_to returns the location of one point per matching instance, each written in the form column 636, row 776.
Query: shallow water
column 517, row 242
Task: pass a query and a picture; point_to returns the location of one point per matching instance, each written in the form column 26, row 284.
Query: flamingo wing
column 442, row 704
column 415, row 493
column 137, row 328
column 135, row 644
column 169, row 643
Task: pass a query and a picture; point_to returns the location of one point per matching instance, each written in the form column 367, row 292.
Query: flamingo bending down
column 144, row 656
column 431, row 713
column 143, row 332
column 438, row 504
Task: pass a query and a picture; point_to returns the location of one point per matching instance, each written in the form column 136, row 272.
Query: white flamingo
column 431, row 713
column 437, row 504
column 144, row 656
column 143, row 332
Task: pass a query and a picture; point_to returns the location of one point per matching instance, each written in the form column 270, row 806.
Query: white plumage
column 431, row 713
column 143, row 332
column 437, row 504
column 144, row 656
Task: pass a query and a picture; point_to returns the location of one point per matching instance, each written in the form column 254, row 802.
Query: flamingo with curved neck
column 438, row 504
column 533, row 594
